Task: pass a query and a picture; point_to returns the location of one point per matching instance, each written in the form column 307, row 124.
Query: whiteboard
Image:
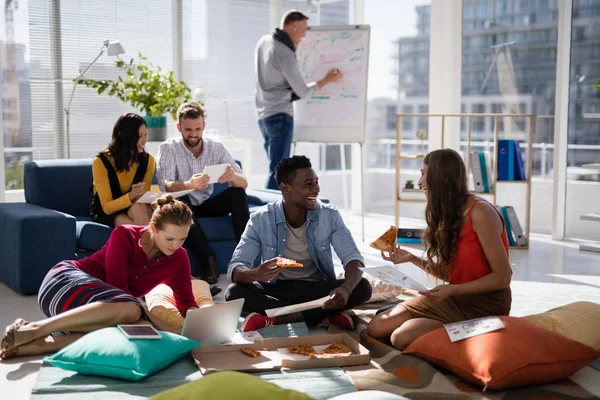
column 337, row 112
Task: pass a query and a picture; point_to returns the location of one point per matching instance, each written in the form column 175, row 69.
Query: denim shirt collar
column 312, row 215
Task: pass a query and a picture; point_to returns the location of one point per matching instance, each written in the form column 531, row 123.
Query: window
column 407, row 121
column 390, row 118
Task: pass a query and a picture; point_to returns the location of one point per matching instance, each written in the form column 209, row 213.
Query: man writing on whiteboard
column 279, row 82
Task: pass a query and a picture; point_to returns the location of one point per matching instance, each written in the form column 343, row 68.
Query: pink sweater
column 123, row 264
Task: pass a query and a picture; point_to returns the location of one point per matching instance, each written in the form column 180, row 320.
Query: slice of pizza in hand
column 384, row 241
column 287, row 263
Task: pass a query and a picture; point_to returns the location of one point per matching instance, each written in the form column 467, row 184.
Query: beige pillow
column 381, row 290
column 161, row 301
column 579, row 321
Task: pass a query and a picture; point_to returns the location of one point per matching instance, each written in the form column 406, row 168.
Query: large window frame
column 443, row 97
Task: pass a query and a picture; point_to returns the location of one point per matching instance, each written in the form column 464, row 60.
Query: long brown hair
column 447, row 192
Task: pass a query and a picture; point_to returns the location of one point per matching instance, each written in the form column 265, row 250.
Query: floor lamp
column 111, row 48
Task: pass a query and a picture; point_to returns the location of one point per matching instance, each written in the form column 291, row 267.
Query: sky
column 389, row 20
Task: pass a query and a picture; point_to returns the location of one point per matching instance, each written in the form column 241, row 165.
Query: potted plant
column 148, row 88
column 409, row 184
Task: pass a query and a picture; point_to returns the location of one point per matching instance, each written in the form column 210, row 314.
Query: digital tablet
column 215, row 172
column 139, row 331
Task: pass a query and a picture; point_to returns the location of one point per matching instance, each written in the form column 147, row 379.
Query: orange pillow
column 520, row 354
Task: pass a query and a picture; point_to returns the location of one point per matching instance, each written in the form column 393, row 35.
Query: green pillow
column 230, row 385
column 108, row 352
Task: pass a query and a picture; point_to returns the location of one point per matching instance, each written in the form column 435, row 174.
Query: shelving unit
column 528, row 162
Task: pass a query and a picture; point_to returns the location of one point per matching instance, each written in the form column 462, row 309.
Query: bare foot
column 8, row 340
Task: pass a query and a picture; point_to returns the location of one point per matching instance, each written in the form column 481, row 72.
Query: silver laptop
column 213, row 325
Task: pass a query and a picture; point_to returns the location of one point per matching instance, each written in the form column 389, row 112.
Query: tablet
column 139, row 331
column 215, row 172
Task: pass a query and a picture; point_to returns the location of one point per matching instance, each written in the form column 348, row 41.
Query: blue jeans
column 277, row 130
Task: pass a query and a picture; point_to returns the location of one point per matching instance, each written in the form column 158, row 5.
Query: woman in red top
column 102, row 290
column 466, row 246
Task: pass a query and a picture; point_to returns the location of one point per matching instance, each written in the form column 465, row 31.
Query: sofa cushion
column 217, row 228
column 62, row 185
column 91, row 235
column 520, row 354
column 123, row 358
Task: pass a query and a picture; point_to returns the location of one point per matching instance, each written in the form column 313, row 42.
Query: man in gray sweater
column 279, row 82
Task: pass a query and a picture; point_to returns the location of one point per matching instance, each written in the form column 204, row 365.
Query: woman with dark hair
column 102, row 290
column 122, row 173
column 466, row 246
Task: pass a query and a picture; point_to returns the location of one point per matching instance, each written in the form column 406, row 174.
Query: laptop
column 213, row 325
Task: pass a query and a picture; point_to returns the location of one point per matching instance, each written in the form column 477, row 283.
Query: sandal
column 8, row 340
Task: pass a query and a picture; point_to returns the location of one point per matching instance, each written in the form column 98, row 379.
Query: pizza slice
column 336, row 348
column 250, row 352
column 287, row 263
column 317, row 356
column 302, row 349
column 384, row 241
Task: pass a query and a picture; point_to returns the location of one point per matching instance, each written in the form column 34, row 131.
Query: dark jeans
column 232, row 200
column 261, row 296
column 277, row 131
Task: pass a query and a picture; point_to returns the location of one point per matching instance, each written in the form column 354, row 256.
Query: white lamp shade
column 199, row 95
column 114, row 48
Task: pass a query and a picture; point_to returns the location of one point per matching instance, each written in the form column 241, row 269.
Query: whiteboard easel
column 337, row 113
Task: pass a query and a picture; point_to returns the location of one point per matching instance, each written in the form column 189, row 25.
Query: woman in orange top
column 122, row 173
column 466, row 246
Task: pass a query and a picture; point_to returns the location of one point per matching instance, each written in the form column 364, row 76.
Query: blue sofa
column 54, row 224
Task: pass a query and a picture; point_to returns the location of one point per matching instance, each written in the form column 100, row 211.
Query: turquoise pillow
column 108, row 352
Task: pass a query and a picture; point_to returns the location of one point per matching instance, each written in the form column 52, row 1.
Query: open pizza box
column 273, row 355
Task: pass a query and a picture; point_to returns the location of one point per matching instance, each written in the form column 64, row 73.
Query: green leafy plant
column 596, row 85
column 145, row 86
column 409, row 181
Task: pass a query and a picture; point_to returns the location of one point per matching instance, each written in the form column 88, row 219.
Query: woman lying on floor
column 466, row 246
column 102, row 290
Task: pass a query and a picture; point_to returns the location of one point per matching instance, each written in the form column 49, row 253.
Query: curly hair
column 287, row 167
column 123, row 144
column 448, row 192
column 171, row 211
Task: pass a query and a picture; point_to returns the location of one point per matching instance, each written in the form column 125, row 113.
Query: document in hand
column 215, row 172
column 276, row 312
column 392, row 274
column 149, row 197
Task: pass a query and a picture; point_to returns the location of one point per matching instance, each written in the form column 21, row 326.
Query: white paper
column 473, row 327
column 392, row 275
column 276, row 312
column 215, row 172
column 150, row 197
column 245, row 337
column 293, row 356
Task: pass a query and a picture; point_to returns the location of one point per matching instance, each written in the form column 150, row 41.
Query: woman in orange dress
column 466, row 246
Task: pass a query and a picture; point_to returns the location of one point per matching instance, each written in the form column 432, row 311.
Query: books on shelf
column 514, row 232
column 483, row 180
column 510, row 161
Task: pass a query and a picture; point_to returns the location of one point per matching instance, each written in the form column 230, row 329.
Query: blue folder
column 408, row 240
column 484, row 174
column 509, row 232
column 519, row 170
column 506, row 160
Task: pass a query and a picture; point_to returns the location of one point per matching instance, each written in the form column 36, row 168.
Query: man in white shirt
column 180, row 165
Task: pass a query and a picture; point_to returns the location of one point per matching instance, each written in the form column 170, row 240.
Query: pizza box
column 230, row 358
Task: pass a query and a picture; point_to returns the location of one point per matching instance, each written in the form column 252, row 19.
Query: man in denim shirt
column 302, row 228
